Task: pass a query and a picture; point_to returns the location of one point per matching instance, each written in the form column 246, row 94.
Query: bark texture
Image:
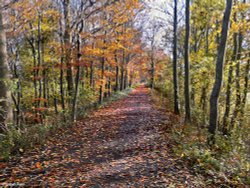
column 5, row 106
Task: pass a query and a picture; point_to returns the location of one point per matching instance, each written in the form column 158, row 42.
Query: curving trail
column 121, row 145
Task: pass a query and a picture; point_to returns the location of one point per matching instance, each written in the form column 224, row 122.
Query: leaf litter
column 121, row 145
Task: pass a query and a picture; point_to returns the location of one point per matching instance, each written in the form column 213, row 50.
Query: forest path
column 120, row 145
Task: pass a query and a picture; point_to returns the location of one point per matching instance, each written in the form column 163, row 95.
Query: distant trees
column 65, row 56
column 68, row 55
column 230, row 81
column 151, row 37
column 193, row 47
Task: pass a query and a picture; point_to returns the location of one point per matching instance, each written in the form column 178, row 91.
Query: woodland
column 124, row 93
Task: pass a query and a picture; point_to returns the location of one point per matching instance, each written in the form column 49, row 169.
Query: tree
column 230, row 80
column 187, row 66
column 213, row 122
column 175, row 73
column 238, row 102
column 5, row 106
column 67, row 46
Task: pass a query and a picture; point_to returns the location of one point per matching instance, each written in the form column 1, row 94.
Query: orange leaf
column 38, row 165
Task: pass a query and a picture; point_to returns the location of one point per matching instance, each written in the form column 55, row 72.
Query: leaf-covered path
column 121, row 145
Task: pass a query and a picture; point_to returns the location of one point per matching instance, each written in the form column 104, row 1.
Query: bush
column 16, row 141
column 227, row 162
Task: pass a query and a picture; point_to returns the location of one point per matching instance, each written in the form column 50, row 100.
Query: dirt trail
column 121, row 145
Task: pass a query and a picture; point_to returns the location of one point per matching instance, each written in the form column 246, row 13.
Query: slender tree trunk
column 187, row 66
column 53, row 88
column 116, row 78
column 122, row 79
column 83, row 74
column 62, row 87
column 5, row 106
column 229, row 84
column 152, row 70
column 66, row 11
column 131, row 78
column 55, row 105
column 39, row 62
column 61, row 71
column 126, row 78
column 122, row 72
column 217, row 39
column 92, row 70
column 35, row 73
column 91, row 76
column 195, row 49
column 109, row 87
column 126, row 72
column 45, row 81
column 116, row 74
column 207, row 40
column 45, row 88
column 213, row 123
column 203, row 100
column 237, row 80
column 15, row 95
column 18, row 104
column 102, row 80
column 74, row 106
column 245, row 90
column 175, row 72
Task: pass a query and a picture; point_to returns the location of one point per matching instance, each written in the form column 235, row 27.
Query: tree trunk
column 116, row 74
column 77, row 80
column 109, row 87
column 237, row 75
column 45, row 80
column 229, row 85
column 5, row 106
column 187, row 66
column 61, row 71
column 126, row 72
column 175, row 73
column 203, row 101
column 122, row 72
column 131, row 78
column 126, row 78
column 39, row 62
column 31, row 42
column 102, row 80
column 152, row 70
column 53, row 88
column 245, row 90
column 91, row 76
column 16, row 96
column 66, row 11
column 213, row 123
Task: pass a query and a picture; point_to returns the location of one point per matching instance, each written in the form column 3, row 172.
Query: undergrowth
column 15, row 141
column 226, row 163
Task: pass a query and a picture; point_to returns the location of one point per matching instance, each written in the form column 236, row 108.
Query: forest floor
column 124, row 144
